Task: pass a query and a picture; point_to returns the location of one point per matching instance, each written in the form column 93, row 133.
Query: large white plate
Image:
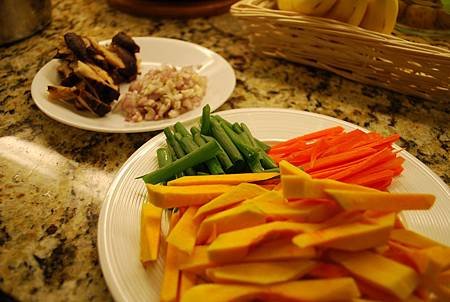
column 118, row 232
column 154, row 52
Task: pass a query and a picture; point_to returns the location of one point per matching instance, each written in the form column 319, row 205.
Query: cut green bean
column 251, row 154
column 190, row 160
column 188, row 144
column 176, row 148
column 163, row 156
column 222, row 156
column 277, row 170
column 266, row 161
column 174, row 143
column 249, row 135
column 179, row 128
column 237, row 128
column 194, row 131
column 173, row 157
column 213, row 164
column 205, row 127
column 221, row 120
column 243, row 136
column 225, row 141
column 262, row 145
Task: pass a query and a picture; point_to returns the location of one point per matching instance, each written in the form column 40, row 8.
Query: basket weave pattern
column 352, row 52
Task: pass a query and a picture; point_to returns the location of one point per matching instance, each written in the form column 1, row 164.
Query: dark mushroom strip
column 76, row 44
column 93, row 104
column 129, row 72
column 70, row 80
column 125, row 41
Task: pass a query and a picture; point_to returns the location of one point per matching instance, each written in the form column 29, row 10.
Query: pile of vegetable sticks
column 357, row 157
column 217, row 147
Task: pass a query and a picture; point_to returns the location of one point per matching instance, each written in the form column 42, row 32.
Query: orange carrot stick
column 367, row 180
column 310, row 136
column 328, row 161
column 370, row 161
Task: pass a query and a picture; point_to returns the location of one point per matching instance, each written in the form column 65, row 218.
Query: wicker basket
column 352, row 52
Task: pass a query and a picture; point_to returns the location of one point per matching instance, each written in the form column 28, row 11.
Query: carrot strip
column 368, row 180
column 317, row 150
column 370, row 161
column 338, row 158
column 287, row 149
column 394, row 164
column 384, row 141
column 310, row 136
column 327, row 172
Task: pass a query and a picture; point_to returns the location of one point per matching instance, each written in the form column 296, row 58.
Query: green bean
column 266, row 161
column 213, row 164
column 225, row 141
column 222, row 156
column 194, row 131
column 176, row 148
column 205, row 127
column 179, row 128
column 237, row 128
column 190, row 160
column 163, row 156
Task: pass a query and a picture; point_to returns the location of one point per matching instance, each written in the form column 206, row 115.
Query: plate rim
column 102, row 129
column 115, row 290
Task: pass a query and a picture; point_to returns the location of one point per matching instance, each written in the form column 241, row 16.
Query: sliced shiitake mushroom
column 125, row 41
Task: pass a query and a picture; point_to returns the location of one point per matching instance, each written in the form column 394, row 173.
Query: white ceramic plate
column 154, row 52
column 118, row 232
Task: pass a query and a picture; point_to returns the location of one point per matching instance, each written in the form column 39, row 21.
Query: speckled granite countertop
column 53, row 177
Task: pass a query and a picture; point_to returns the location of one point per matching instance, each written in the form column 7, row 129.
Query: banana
column 348, row 11
column 307, row 7
column 381, row 16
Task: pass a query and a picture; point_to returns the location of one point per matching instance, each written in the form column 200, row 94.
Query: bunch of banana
column 376, row 15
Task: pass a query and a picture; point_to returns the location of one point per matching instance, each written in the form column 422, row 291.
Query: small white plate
column 119, row 222
column 154, row 52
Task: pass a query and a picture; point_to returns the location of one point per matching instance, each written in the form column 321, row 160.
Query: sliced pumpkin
column 235, row 195
column 383, row 273
column 381, row 201
column 187, row 281
column 351, row 237
column 186, row 196
column 260, row 273
column 286, row 168
column 170, row 282
column 276, row 250
column 150, row 232
column 412, row 239
column 224, row 179
column 242, row 216
column 183, row 235
column 290, row 211
column 236, row 244
column 340, row 289
column 221, row 293
column 279, row 249
column 295, row 186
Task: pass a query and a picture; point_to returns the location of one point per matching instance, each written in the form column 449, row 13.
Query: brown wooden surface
column 181, row 8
